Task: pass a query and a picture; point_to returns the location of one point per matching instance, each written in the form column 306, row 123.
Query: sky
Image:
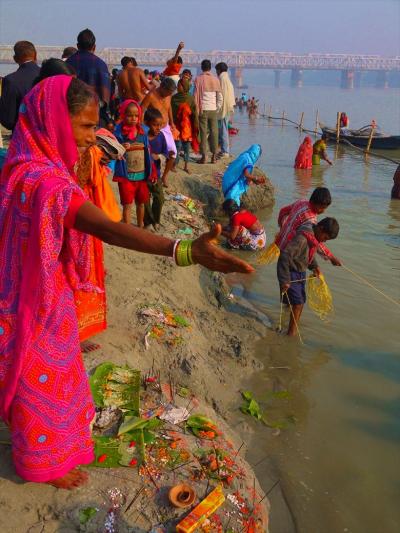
column 302, row 26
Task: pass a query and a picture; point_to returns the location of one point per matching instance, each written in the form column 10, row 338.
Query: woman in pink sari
column 44, row 256
column 304, row 154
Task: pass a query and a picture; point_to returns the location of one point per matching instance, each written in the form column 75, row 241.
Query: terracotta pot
column 182, row 496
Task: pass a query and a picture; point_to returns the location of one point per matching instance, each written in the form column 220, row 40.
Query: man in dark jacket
column 16, row 85
column 92, row 70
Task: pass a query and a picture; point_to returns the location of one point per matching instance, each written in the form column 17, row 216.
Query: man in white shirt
column 228, row 94
column 208, row 97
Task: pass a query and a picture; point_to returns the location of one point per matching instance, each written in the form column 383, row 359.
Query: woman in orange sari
column 92, row 175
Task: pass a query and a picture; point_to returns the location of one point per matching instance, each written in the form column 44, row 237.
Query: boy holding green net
column 295, row 259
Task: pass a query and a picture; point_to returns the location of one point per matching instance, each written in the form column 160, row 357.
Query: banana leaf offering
column 116, row 386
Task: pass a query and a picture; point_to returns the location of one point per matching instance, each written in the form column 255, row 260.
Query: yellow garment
column 269, row 255
column 319, row 147
column 319, row 296
column 101, row 193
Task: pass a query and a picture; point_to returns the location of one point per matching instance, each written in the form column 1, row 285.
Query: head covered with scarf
column 130, row 130
column 234, row 183
column 41, row 263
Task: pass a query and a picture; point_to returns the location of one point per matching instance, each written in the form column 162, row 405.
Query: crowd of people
column 57, row 208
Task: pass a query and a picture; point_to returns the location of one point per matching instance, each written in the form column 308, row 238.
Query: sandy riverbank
column 211, row 359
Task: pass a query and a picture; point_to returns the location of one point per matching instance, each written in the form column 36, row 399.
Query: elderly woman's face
column 84, row 125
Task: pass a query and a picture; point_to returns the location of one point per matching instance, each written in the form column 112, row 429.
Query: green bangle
column 189, row 253
column 184, row 253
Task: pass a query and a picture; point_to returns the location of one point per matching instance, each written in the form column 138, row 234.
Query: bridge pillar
column 296, row 78
column 237, row 75
column 357, row 79
column 347, row 79
column 277, row 78
column 382, row 80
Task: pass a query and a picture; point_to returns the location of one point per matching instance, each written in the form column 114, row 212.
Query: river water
column 339, row 461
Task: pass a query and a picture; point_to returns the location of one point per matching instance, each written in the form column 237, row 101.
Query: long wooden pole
column 370, row 138
column 283, row 116
column 338, row 126
column 269, row 112
column 301, row 122
column 316, row 122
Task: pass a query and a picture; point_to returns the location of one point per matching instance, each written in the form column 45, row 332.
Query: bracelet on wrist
column 183, row 253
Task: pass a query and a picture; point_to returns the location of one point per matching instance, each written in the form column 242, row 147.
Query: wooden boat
column 380, row 141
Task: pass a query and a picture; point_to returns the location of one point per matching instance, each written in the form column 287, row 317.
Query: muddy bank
column 208, row 357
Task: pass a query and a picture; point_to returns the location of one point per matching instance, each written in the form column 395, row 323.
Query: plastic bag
column 319, row 297
column 269, row 255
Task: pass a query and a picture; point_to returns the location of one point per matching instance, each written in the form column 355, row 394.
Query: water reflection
column 394, row 213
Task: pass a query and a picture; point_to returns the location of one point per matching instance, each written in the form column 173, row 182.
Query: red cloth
column 304, row 154
column 130, row 191
column 244, row 218
column 344, row 121
column 172, row 69
column 76, row 201
column 290, row 218
column 130, row 131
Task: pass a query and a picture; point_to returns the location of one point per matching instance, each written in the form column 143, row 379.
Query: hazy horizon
column 298, row 26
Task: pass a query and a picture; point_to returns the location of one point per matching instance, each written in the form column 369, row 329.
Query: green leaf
column 97, row 380
column 116, row 386
column 181, row 321
column 86, row 514
column 106, row 448
column 131, row 423
column 247, row 395
column 199, row 421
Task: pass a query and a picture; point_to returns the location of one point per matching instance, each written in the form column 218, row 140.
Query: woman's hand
column 206, row 253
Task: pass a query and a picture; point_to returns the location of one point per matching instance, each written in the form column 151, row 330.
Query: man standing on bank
column 208, row 97
column 228, row 94
column 17, row 84
column 93, row 71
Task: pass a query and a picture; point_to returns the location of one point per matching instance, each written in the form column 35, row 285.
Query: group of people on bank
column 57, row 208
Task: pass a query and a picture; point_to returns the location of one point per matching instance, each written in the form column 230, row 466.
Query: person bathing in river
column 238, row 175
column 319, row 151
column 305, row 154
column 301, row 212
column 296, row 258
column 134, row 169
column 245, row 231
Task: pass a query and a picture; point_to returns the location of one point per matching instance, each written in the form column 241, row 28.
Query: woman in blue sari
column 238, row 175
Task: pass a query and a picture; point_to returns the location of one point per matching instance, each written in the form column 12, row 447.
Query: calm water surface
column 339, row 463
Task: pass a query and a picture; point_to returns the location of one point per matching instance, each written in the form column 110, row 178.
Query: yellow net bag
column 269, row 255
column 319, row 296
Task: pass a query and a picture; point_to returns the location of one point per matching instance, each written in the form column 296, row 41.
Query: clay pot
column 182, row 496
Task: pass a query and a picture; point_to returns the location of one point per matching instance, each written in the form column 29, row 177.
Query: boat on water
column 380, row 140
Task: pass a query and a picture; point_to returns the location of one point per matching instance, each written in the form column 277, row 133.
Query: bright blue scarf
column 234, row 183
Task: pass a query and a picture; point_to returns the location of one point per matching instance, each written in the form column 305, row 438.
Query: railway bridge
column 350, row 65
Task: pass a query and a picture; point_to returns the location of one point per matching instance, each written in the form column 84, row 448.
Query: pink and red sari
column 44, row 392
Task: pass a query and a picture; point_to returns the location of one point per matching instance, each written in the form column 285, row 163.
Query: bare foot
column 74, row 479
column 186, row 170
column 165, row 184
column 213, row 159
column 87, row 346
column 173, row 169
column 202, row 161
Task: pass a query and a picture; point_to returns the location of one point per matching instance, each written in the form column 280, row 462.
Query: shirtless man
column 132, row 80
column 160, row 98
